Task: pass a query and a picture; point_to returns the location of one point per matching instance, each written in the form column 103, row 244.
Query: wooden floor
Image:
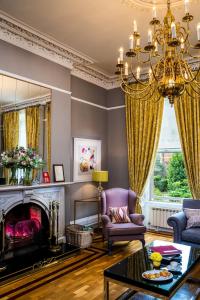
column 85, row 283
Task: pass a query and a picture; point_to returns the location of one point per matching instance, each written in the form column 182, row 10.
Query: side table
column 88, row 200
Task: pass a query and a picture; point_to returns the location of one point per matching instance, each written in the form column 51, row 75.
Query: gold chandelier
column 165, row 54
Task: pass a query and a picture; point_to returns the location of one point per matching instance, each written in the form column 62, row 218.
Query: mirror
column 25, row 117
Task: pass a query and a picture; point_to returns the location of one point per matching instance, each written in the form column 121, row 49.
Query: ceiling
column 96, row 28
column 14, row 91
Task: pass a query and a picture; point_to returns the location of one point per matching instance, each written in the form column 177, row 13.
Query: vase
column 13, row 180
column 27, row 180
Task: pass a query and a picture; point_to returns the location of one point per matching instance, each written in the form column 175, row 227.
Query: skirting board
column 90, row 220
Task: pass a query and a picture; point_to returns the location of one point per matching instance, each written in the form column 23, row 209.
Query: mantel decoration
column 165, row 54
column 21, row 158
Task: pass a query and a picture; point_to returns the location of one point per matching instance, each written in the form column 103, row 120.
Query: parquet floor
column 84, row 282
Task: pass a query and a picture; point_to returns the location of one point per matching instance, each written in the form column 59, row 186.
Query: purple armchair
column 135, row 230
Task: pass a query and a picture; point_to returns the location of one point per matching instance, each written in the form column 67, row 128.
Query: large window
column 169, row 177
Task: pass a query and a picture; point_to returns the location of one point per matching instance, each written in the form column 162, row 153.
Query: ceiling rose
column 151, row 3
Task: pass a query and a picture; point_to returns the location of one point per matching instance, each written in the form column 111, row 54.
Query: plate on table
column 157, row 275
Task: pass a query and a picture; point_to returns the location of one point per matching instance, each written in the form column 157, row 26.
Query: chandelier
column 168, row 74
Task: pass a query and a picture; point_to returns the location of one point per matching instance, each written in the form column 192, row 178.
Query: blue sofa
column 178, row 221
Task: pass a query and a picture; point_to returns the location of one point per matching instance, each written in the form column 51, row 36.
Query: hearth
column 23, row 229
column 25, row 224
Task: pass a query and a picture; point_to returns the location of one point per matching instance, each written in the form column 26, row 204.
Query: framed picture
column 87, row 157
column 58, row 173
column 46, row 177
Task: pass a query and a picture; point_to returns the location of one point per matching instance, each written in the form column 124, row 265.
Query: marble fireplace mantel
column 7, row 188
column 41, row 194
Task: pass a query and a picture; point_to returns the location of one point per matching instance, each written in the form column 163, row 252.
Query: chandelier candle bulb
column 182, row 44
column 156, row 46
column 173, row 30
column 138, row 42
column 138, row 73
column 154, row 12
column 134, row 26
column 131, row 42
column 118, row 60
column 126, row 69
column 150, row 37
column 186, row 3
column 121, row 54
column 198, row 31
column 150, row 74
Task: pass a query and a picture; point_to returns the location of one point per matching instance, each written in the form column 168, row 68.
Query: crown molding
column 17, row 33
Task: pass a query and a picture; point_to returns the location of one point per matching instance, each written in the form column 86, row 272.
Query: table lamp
column 100, row 176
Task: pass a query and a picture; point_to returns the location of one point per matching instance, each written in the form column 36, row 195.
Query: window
column 169, row 180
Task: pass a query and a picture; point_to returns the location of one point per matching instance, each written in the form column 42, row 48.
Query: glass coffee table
column 128, row 272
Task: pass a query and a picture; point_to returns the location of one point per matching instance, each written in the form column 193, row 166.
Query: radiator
column 159, row 216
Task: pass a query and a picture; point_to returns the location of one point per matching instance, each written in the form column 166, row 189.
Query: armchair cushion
column 191, row 235
column 119, row 214
column 126, row 229
column 193, row 217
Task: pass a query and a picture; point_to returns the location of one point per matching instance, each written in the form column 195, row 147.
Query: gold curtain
column 188, row 120
column 10, row 129
column 143, row 123
column 48, row 135
column 32, row 126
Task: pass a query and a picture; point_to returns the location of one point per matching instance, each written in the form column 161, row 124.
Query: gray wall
column 88, row 91
column 87, row 122
column 117, row 145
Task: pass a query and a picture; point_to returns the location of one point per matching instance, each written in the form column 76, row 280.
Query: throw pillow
column 119, row 214
column 193, row 217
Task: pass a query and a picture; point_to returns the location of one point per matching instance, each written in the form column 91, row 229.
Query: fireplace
column 31, row 219
column 25, row 225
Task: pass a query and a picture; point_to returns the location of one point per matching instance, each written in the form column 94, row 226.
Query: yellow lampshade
column 100, row 176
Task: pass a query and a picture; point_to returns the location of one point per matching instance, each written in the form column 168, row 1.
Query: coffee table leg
column 106, row 289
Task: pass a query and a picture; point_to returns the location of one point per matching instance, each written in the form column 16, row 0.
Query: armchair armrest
column 137, row 219
column 178, row 221
column 106, row 221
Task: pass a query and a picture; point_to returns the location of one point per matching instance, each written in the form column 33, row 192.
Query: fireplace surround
column 25, row 217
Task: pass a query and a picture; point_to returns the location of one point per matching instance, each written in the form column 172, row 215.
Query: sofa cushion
column 193, row 217
column 191, row 235
column 119, row 214
column 126, row 229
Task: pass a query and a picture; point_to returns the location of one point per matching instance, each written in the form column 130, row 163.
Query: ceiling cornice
column 25, row 37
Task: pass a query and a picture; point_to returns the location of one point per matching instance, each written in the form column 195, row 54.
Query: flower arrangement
column 156, row 257
column 21, row 158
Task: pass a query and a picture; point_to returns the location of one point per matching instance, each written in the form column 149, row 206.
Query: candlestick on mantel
column 173, row 30
column 134, row 26
column 198, row 31
column 121, row 54
column 131, row 42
